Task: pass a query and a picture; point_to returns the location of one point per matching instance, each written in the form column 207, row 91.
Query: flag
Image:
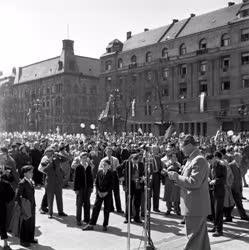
column 140, row 131
column 202, row 100
column 169, row 131
column 105, row 112
column 133, row 102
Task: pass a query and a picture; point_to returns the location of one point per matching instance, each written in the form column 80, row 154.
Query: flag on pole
column 202, row 100
column 169, row 131
column 133, row 102
column 140, row 131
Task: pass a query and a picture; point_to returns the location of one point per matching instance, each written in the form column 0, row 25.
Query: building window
column 183, row 49
column 133, row 59
column 245, row 81
column 225, row 62
column 148, row 57
column 60, row 65
column 244, row 35
column 108, row 65
column 203, row 44
column 245, row 58
column 183, row 70
column 108, row 82
column 165, row 73
column 120, row 63
column 225, row 104
column 203, row 86
column 165, row 53
column 225, row 40
column 225, row 84
column 203, row 67
column 147, row 109
column 149, row 75
column 244, row 13
column 183, row 90
column 165, row 91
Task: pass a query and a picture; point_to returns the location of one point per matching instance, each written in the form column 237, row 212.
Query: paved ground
column 167, row 233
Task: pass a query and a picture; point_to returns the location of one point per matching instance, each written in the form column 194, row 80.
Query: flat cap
column 188, row 139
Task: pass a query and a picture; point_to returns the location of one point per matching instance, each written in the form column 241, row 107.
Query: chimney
column 192, row 15
column 175, row 20
column 67, row 44
column 231, row 4
column 128, row 35
column 146, row 29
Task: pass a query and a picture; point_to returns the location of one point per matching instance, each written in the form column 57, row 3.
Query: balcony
column 201, row 52
column 164, row 60
column 225, row 69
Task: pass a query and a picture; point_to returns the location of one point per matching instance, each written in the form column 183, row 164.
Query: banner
column 133, row 102
column 202, row 100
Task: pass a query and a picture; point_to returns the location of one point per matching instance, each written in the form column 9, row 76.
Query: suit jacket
column 53, row 171
column 195, row 198
column 123, row 171
column 237, row 182
column 219, row 174
column 83, row 178
column 104, row 182
column 6, row 192
column 26, row 190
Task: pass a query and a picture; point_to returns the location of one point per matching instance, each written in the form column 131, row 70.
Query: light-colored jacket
column 195, row 199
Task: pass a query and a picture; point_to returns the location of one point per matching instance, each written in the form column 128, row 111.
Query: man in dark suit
column 218, row 181
column 6, row 194
column 83, row 187
column 36, row 156
column 26, row 191
column 104, row 182
column 136, row 184
column 155, row 168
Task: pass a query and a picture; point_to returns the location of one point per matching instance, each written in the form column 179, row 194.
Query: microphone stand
column 129, row 206
column 148, row 243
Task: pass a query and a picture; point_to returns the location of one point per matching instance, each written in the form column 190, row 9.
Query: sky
column 33, row 30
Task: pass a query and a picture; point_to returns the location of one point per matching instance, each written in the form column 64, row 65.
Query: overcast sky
column 33, row 30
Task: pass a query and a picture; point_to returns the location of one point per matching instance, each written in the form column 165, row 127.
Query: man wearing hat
column 195, row 199
column 50, row 165
column 136, row 187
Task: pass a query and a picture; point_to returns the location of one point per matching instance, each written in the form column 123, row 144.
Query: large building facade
column 57, row 94
column 193, row 72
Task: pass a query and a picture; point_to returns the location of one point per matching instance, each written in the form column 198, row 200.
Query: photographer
column 50, row 165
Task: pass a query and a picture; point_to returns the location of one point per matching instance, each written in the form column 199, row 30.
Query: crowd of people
column 202, row 177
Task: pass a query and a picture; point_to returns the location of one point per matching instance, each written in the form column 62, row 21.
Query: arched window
column 225, row 40
column 108, row 65
column 183, row 49
column 148, row 57
column 120, row 63
column 133, row 59
column 203, row 44
column 165, row 53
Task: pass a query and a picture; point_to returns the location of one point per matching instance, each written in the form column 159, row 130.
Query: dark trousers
column 38, row 176
column 44, row 203
column 97, row 207
column 237, row 196
column 228, row 212
column 218, row 212
column 57, row 192
column 27, row 232
column 3, row 213
column 116, row 192
column 136, row 197
column 155, row 189
column 211, row 193
column 83, row 199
